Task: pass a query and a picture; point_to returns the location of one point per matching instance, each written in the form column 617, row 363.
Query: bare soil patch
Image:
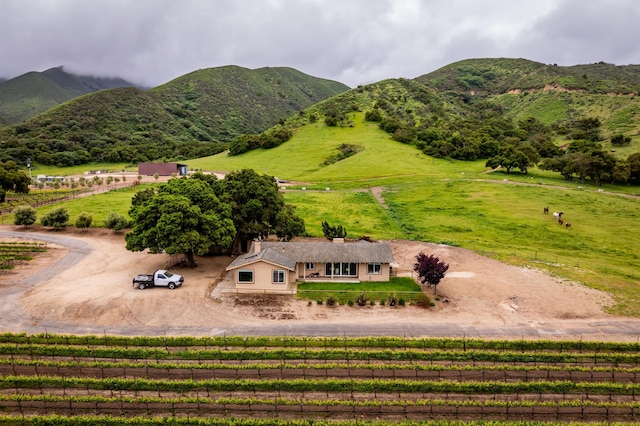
column 479, row 291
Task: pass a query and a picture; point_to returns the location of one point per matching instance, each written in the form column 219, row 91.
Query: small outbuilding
column 162, row 169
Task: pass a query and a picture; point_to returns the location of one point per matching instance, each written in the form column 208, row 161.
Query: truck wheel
column 141, row 286
column 172, row 286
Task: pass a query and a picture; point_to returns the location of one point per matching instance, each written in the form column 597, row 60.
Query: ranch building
column 162, row 169
column 272, row 267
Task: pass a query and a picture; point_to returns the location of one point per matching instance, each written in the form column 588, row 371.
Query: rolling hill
column 191, row 116
column 555, row 95
column 503, row 75
column 468, row 110
column 28, row 95
column 228, row 101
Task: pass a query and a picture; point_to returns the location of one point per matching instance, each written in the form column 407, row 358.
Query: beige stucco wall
column 262, row 278
column 363, row 276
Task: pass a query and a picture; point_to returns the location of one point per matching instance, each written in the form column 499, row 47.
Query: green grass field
column 402, row 287
column 98, row 205
column 444, row 201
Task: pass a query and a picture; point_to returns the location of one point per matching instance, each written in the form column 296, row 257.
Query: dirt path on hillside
column 480, row 293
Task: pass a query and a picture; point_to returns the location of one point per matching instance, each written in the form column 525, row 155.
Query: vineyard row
column 92, row 420
column 324, row 342
column 114, row 353
column 301, row 370
column 268, row 408
column 323, row 385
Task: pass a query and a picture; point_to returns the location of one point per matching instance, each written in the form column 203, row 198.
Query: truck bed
column 143, row 278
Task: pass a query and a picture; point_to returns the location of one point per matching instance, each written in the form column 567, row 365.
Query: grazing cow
column 546, row 210
column 557, row 215
column 568, row 224
column 560, row 221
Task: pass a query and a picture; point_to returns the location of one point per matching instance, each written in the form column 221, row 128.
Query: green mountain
column 225, row 102
column 191, row 116
column 499, row 76
column 557, row 96
column 586, row 133
column 32, row 93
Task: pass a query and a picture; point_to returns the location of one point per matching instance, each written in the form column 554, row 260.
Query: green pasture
column 402, row 287
column 357, row 211
column 442, row 201
column 601, row 248
column 383, row 162
column 98, row 205
column 301, row 158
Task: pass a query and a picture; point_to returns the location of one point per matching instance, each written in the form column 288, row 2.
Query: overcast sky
column 151, row 42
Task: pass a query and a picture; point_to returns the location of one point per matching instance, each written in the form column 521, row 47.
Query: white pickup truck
column 160, row 278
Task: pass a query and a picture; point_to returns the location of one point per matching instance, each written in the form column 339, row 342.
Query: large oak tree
column 182, row 216
column 258, row 207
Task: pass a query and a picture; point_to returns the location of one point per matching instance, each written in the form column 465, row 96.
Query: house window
column 343, row 269
column 374, row 268
column 278, row 276
column 310, row 266
column 245, row 276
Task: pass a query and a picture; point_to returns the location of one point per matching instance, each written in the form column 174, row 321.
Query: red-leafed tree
column 430, row 269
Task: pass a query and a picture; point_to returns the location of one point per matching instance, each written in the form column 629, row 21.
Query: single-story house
column 162, row 169
column 275, row 266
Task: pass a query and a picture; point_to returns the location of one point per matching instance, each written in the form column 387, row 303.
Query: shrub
column 319, row 301
column 373, row 115
column 56, row 219
column 309, row 303
column 392, row 299
column 422, row 300
column 24, row 215
column 116, row 222
column 361, row 299
column 401, row 302
column 350, row 302
column 620, row 140
column 372, row 302
column 331, row 232
column 332, row 300
column 382, row 302
column 84, row 221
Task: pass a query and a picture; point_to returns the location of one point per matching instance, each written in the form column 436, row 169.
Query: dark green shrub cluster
column 332, row 300
column 56, row 219
column 244, row 143
column 422, row 300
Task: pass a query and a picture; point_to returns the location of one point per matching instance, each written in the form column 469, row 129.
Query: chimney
column 257, row 245
column 338, row 240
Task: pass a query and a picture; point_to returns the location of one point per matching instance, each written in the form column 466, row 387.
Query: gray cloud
column 353, row 41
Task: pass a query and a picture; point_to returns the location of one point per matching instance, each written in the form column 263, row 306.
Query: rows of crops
column 37, row 198
column 297, row 380
column 13, row 252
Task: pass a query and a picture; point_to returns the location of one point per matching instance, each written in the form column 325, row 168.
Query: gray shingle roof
column 358, row 252
column 267, row 255
column 287, row 254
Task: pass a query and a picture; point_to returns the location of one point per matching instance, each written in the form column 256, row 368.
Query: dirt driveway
column 485, row 298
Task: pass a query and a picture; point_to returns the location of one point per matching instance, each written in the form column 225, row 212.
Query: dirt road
column 82, row 285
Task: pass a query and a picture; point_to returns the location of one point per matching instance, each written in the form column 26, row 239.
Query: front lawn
column 403, row 287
